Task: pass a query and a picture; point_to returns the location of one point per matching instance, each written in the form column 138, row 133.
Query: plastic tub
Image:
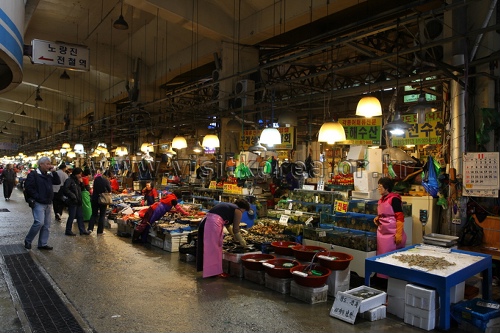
column 275, row 268
column 306, row 252
column 284, row 248
column 340, row 263
column 311, row 279
column 254, row 261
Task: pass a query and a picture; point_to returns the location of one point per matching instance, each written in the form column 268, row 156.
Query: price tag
column 193, row 200
column 321, row 185
column 284, row 219
column 288, row 212
column 308, row 221
column 212, row 185
column 345, row 307
column 488, row 305
column 220, row 198
column 298, row 213
column 290, row 205
column 341, row 206
column 322, row 234
column 316, row 199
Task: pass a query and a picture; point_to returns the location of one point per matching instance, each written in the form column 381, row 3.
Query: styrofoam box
column 225, row 266
column 236, row 257
column 236, row 269
column 380, row 312
column 422, row 298
column 396, row 306
column 338, row 281
column 155, row 241
column 457, row 293
column 396, row 287
column 421, row 318
column 254, row 276
column 369, row 303
column 308, row 294
column 277, row 284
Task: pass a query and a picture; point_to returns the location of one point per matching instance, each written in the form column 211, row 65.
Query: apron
column 387, row 228
column 209, row 245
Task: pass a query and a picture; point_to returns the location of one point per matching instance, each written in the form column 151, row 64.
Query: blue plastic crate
column 475, row 312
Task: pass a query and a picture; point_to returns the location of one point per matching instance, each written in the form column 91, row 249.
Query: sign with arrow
column 75, row 57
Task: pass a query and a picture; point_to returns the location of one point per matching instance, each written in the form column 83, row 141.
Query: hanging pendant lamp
column 179, row 142
column 270, row 137
column 397, row 127
column 211, row 141
column 368, row 107
column 257, row 147
column 331, row 132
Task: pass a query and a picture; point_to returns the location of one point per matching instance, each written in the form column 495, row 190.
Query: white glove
column 239, row 238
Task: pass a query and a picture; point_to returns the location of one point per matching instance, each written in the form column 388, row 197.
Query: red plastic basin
column 313, row 281
column 278, row 271
column 254, row 261
column 341, row 262
column 306, row 252
column 283, row 248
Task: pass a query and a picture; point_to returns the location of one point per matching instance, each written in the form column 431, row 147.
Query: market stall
column 459, row 266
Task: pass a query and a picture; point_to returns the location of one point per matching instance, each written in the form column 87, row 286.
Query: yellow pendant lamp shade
column 121, row 151
column 368, row 107
column 179, row 142
column 211, row 141
column 331, row 132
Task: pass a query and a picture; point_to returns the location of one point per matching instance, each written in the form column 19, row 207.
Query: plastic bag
column 86, row 206
column 430, row 180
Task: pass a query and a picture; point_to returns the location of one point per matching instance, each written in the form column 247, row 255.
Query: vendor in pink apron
column 390, row 220
column 211, row 235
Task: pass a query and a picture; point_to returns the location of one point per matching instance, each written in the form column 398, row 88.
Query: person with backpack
column 73, row 188
column 39, row 192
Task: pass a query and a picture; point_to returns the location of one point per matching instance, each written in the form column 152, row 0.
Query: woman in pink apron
column 211, row 235
column 390, row 220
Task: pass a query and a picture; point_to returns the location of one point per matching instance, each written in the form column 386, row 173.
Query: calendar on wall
column 481, row 174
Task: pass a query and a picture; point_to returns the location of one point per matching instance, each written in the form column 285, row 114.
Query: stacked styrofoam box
column 396, row 291
column 374, row 314
column 308, row 294
column 277, row 284
column 254, row 276
column 155, row 241
column 172, row 242
column 236, row 269
column 372, row 302
column 457, row 293
column 338, row 281
column 421, row 307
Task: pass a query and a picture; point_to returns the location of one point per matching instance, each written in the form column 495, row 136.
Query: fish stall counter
column 436, row 267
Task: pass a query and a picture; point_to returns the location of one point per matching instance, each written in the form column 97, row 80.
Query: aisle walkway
column 107, row 285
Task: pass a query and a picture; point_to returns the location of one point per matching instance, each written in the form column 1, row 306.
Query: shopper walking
column 100, row 185
column 390, row 219
column 73, row 188
column 8, row 177
column 211, row 235
column 38, row 188
column 58, row 204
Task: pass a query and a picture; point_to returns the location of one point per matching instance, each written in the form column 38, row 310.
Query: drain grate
column 42, row 305
column 3, row 210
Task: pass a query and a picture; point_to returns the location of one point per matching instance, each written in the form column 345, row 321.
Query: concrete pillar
column 11, row 43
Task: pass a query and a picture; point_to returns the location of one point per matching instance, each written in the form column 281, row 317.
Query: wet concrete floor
column 112, row 285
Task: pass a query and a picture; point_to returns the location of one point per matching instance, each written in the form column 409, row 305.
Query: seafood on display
column 427, row 262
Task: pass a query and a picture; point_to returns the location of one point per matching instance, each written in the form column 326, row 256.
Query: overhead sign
column 248, row 138
column 59, row 54
column 362, row 131
column 421, row 134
